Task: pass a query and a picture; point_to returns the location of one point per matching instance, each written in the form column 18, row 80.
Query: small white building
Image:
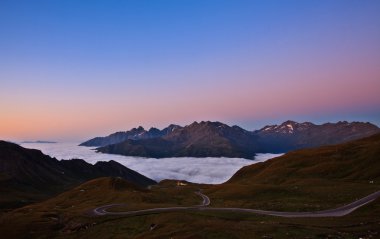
column 179, row 183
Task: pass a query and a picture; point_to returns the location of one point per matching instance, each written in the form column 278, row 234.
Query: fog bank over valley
column 197, row 170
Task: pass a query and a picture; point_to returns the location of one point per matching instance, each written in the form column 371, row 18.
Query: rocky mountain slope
column 291, row 135
column 204, row 139
column 215, row 139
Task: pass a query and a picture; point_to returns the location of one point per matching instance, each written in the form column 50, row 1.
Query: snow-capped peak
column 290, row 127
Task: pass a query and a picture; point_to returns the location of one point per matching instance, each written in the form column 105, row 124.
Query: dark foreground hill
column 215, row 139
column 27, row 175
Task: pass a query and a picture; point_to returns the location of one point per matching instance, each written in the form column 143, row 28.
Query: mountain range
column 291, row 135
column 27, row 175
column 215, row 139
column 135, row 134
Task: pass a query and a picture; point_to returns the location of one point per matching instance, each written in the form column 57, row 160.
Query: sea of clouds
column 197, row 170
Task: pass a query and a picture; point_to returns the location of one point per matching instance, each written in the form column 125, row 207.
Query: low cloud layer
column 197, row 170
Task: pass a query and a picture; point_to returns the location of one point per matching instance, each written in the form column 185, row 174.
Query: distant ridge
column 38, row 142
column 215, row 139
column 135, row 133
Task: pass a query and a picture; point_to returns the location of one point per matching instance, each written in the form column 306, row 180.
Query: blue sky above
column 119, row 64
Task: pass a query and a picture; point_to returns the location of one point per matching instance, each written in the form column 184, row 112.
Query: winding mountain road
column 337, row 212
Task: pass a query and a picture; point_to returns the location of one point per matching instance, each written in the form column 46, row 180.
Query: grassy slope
column 70, row 210
column 303, row 180
column 310, row 179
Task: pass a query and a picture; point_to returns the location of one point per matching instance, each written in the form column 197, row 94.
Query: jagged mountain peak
column 152, row 129
column 140, row 128
column 133, row 134
column 290, row 122
column 287, row 127
column 207, row 124
column 173, row 127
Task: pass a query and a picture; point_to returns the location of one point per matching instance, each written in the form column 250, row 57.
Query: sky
column 72, row 70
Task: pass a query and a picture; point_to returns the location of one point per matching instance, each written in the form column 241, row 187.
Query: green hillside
column 309, row 179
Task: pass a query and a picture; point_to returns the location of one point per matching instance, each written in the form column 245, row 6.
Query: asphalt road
column 337, row 212
column 206, row 200
column 102, row 211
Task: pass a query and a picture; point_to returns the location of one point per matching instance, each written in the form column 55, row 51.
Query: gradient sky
column 71, row 70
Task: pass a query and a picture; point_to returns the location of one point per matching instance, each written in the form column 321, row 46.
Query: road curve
column 206, row 200
column 337, row 212
column 102, row 211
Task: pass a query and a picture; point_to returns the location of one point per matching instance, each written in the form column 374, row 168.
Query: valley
column 301, row 181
